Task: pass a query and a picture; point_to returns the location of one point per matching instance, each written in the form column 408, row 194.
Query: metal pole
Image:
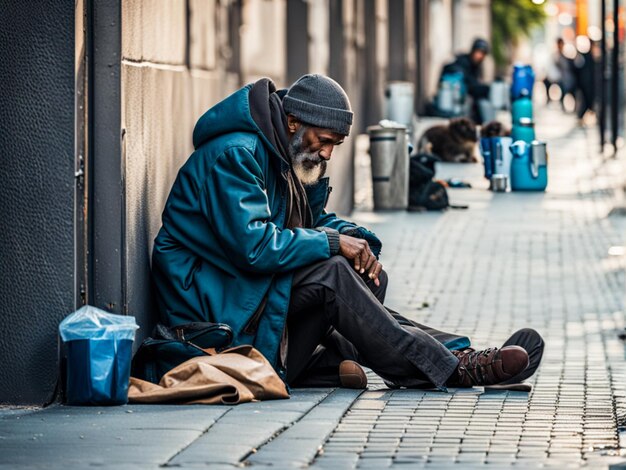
column 396, row 45
column 615, row 77
column 297, row 39
column 373, row 111
column 336, row 62
column 235, row 15
column 105, row 158
column 603, row 77
column 421, row 52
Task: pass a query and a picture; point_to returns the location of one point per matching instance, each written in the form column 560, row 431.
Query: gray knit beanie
column 319, row 101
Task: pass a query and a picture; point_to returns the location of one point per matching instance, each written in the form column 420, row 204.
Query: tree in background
column 512, row 20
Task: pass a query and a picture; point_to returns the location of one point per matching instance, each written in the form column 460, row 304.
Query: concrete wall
column 452, row 27
column 318, row 27
column 440, row 43
column 472, row 19
column 264, row 40
column 172, row 71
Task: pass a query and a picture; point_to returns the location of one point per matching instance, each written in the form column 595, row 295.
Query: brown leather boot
column 488, row 367
column 352, row 375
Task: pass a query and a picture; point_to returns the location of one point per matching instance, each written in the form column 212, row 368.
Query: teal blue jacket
column 223, row 253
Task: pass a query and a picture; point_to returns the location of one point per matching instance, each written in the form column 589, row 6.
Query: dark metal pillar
column 297, row 39
column 336, row 65
column 421, row 51
column 603, row 75
column 615, row 94
column 234, row 37
column 372, row 111
column 106, row 162
column 397, row 40
column 81, row 236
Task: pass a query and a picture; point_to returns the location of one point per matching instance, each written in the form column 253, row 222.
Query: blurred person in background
column 565, row 65
column 470, row 65
column 552, row 76
column 584, row 67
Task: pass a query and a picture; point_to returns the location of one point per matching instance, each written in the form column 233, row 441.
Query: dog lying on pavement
column 454, row 142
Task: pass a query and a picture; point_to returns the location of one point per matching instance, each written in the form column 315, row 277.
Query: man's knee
column 345, row 268
column 383, row 279
column 337, row 269
column 339, row 262
column 342, row 264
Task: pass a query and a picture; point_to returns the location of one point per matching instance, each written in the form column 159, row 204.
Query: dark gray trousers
column 337, row 314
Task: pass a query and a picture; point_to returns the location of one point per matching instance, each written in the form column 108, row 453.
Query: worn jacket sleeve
column 235, row 203
column 351, row 229
column 331, row 220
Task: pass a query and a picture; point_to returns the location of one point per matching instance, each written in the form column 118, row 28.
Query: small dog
column 494, row 129
column 455, row 142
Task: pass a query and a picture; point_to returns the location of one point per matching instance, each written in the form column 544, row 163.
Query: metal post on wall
column 81, row 188
column 397, row 41
column 106, row 286
column 372, row 112
column 421, row 52
column 336, row 61
column 615, row 78
column 234, row 38
column 297, row 39
column 604, row 76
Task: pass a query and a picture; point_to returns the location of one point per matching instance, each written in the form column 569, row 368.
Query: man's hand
column 358, row 250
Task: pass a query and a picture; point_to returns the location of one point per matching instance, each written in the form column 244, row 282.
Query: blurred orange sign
column 582, row 17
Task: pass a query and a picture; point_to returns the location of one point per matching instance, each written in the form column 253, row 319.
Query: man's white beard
column 307, row 176
column 301, row 160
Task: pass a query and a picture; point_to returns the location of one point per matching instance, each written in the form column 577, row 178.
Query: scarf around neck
column 267, row 112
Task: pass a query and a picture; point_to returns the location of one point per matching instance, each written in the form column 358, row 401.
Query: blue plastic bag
column 99, row 352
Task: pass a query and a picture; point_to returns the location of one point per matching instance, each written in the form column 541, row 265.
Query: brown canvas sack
column 233, row 376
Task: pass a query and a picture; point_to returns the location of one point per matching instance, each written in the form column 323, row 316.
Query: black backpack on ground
column 424, row 193
column 171, row 346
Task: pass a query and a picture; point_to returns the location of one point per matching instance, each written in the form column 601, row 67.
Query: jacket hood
column 232, row 114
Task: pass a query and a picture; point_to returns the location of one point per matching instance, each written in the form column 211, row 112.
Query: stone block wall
column 172, row 72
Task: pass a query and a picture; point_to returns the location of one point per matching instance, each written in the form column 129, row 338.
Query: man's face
column 310, row 148
column 478, row 56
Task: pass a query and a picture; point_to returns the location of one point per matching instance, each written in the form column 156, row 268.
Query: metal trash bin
column 399, row 103
column 389, row 152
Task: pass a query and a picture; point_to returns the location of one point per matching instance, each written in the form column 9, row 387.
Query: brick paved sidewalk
column 510, row 261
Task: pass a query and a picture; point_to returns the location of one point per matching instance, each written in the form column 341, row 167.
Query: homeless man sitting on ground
column 246, row 241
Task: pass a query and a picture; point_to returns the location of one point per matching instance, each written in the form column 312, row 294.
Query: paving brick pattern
column 510, row 261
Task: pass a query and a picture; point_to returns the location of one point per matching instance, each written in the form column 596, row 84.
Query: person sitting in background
column 246, row 241
column 470, row 65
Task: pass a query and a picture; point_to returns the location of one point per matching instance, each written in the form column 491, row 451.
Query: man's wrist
column 351, row 231
column 333, row 239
